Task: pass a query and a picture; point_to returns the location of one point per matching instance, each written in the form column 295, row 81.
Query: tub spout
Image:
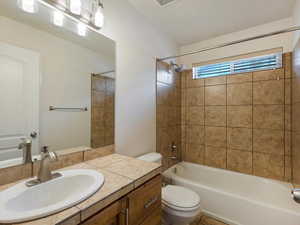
column 296, row 195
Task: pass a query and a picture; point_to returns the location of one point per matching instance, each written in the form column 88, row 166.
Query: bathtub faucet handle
column 296, row 195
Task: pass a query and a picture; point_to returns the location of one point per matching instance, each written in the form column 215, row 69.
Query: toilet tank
column 151, row 157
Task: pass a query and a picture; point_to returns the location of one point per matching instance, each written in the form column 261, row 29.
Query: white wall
column 65, row 71
column 138, row 44
column 296, row 21
column 283, row 40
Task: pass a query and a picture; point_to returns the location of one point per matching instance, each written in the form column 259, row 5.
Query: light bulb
column 81, row 29
column 75, row 6
column 99, row 17
column 58, row 18
column 29, row 6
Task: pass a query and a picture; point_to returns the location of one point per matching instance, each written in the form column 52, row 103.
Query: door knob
column 33, row 134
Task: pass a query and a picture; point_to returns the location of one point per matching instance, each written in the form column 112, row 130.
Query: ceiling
column 190, row 21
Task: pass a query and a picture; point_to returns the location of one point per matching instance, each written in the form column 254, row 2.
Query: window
column 265, row 62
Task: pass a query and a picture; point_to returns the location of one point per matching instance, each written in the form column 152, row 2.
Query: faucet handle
column 45, row 149
column 48, row 154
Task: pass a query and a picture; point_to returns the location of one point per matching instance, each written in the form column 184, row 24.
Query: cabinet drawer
column 144, row 200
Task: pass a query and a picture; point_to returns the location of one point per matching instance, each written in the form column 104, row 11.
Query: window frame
column 279, row 64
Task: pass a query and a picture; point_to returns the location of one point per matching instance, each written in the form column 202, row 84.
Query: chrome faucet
column 26, row 147
column 173, row 150
column 296, row 195
column 45, row 173
column 46, row 158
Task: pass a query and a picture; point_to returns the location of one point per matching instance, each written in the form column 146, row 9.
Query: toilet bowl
column 180, row 205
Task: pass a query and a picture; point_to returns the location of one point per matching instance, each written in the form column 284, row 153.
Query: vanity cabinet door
column 143, row 201
column 154, row 218
column 114, row 214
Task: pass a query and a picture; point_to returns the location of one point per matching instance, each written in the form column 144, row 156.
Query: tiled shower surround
column 102, row 118
column 240, row 122
column 168, row 109
column 296, row 115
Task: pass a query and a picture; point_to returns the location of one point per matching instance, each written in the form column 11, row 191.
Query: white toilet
column 180, row 205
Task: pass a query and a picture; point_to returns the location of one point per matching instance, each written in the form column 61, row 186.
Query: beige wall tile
column 268, row 75
column 239, row 78
column 215, row 116
column 239, row 161
column 287, row 168
column 215, row 136
column 195, row 115
column 195, row 97
column 15, row 173
column 215, row 157
column 239, row 116
column 287, row 61
column 195, row 153
column 268, row 141
column 239, row 138
column 288, row 91
column 239, row 94
column 295, row 89
column 98, row 83
column 98, row 99
column 183, row 76
column 288, row 117
column 215, row 80
column 267, row 165
column 183, row 97
column 163, row 92
column 268, row 116
column 190, row 82
column 215, row 95
column 288, row 143
column 296, row 114
column 195, row 134
column 98, row 152
column 63, row 161
column 268, row 92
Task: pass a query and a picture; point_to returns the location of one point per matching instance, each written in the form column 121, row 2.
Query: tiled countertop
column 122, row 175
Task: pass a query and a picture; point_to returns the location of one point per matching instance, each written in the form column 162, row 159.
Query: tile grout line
column 284, row 117
column 204, row 122
column 226, row 123
column 252, row 129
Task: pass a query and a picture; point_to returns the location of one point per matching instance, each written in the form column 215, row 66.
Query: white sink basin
column 21, row 203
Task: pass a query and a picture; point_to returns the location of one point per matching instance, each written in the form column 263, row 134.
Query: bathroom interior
column 149, row 112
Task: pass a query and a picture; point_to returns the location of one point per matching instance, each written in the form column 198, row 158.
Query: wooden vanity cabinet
column 114, row 214
column 143, row 201
column 140, row 207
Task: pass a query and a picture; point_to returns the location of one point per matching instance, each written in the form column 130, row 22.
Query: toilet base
column 173, row 217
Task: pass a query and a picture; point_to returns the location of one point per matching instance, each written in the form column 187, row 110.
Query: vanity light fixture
column 58, row 18
column 75, row 6
column 99, row 15
column 81, row 29
column 73, row 10
column 29, row 6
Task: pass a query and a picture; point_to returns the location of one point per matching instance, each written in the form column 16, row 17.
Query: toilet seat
column 180, row 198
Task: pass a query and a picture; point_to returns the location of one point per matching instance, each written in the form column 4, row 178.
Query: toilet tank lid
column 151, row 157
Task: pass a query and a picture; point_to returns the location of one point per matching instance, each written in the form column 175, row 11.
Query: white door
column 19, row 101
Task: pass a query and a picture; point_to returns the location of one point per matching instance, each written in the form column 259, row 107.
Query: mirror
column 56, row 87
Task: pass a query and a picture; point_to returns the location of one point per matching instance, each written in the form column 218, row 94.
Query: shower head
column 176, row 67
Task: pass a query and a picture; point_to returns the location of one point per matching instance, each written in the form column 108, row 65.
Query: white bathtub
column 238, row 199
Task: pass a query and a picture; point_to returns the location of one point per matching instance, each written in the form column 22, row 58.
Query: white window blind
column 264, row 62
